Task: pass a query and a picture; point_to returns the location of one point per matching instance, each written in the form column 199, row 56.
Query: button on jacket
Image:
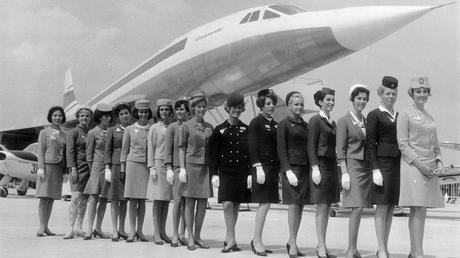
column 291, row 140
column 113, row 145
column 95, row 145
column 171, row 154
column 229, row 145
column 350, row 139
column 321, row 139
column 262, row 140
column 381, row 140
column 51, row 147
column 156, row 143
column 134, row 145
column 76, row 146
column 195, row 138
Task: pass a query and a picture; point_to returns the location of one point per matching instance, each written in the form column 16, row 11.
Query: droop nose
column 358, row 27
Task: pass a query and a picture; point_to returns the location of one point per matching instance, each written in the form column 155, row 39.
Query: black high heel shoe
column 100, row 234
column 288, row 248
column 115, row 239
column 183, row 241
column 49, row 233
column 257, row 252
column 165, row 239
column 88, row 237
column 124, row 236
column 141, row 237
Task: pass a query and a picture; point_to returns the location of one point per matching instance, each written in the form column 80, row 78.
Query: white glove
column 316, row 175
column 215, row 181
column 108, row 175
column 170, row 176
column 182, row 175
column 346, row 181
column 41, row 173
column 377, row 177
column 260, row 175
column 65, row 178
column 249, row 182
column 292, row 178
column 153, row 173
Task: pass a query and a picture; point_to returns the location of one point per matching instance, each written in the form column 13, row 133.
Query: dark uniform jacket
column 76, row 146
column 113, row 145
column 291, row 140
column 229, row 148
column 321, row 139
column 381, row 138
column 262, row 141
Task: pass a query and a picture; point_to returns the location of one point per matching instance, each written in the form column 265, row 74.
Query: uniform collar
column 295, row 121
column 328, row 119
column 392, row 116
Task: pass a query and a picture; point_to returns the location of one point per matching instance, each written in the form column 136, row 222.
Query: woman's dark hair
column 171, row 111
column 260, row 102
column 120, row 107
column 321, row 94
column 52, row 110
column 99, row 114
column 136, row 113
column 180, row 103
column 356, row 92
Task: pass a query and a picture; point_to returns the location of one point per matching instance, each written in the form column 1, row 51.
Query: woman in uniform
column 230, row 166
column 51, row 167
column 420, row 162
column 134, row 161
column 79, row 169
column 356, row 175
column 172, row 169
column 264, row 160
column 112, row 171
column 160, row 189
column 194, row 171
column 96, row 187
column 384, row 158
column 291, row 140
column 324, row 180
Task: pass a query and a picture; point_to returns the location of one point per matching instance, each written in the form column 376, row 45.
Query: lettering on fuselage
column 208, row 34
column 34, row 169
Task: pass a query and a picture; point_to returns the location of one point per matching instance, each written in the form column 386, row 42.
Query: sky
column 102, row 40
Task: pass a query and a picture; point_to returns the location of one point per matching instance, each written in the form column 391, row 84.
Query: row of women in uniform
column 180, row 160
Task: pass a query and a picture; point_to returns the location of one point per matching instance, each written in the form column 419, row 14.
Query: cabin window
column 254, row 16
column 270, row 15
column 246, row 18
column 287, row 9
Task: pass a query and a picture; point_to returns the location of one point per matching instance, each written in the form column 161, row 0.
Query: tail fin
column 69, row 100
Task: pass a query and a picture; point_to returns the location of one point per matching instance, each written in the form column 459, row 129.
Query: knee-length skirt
column 296, row 194
column 268, row 191
column 159, row 189
column 83, row 176
column 116, row 187
column 417, row 189
column 328, row 190
column 233, row 185
column 96, row 183
column 198, row 183
column 51, row 185
column 137, row 176
column 359, row 194
column 387, row 194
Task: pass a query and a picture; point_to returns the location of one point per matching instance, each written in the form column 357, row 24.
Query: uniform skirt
column 328, row 190
column 268, row 191
column 51, row 186
column 116, row 186
column 388, row 193
column 359, row 194
column 417, row 189
column 137, row 176
column 296, row 194
column 83, row 176
column 160, row 189
column 176, row 187
column 198, row 183
column 233, row 185
column 96, row 183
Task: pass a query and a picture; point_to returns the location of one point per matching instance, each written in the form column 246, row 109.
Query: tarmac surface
column 19, row 224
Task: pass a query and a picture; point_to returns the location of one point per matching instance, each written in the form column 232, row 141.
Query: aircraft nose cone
column 358, row 27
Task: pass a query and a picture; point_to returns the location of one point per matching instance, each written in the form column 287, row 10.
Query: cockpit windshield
column 287, row 9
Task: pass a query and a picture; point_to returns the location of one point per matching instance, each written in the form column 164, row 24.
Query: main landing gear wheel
column 21, row 192
column 3, row 192
column 332, row 213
